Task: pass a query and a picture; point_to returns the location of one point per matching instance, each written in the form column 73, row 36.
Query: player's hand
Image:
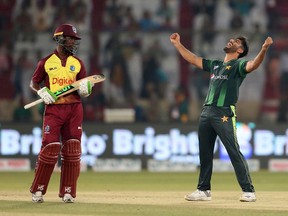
column 46, row 95
column 267, row 42
column 85, row 88
column 175, row 38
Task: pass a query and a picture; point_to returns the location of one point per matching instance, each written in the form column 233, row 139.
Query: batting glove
column 85, row 88
column 46, row 95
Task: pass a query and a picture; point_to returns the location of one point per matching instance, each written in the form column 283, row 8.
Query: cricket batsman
column 218, row 117
column 63, row 117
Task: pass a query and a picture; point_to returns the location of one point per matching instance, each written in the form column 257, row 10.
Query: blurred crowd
column 128, row 41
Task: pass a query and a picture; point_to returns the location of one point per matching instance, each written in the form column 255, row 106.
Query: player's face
column 71, row 41
column 233, row 45
column 71, row 44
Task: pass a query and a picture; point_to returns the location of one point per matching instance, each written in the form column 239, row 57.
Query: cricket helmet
column 67, row 30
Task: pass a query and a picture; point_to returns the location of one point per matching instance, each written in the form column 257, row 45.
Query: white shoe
column 199, row 195
column 67, row 198
column 248, row 197
column 37, row 197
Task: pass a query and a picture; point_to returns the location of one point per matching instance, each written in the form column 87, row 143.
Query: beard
column 231, row 49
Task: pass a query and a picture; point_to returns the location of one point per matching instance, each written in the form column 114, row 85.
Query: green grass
column 264, row 180
column 123, row 210
column 144, row 194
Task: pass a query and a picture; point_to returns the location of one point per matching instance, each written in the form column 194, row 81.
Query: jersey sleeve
column 39, row 73
column 242, row 68
column 82, row 73
column 207, row 65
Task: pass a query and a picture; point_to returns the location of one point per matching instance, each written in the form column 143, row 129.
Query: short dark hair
column 244, row 42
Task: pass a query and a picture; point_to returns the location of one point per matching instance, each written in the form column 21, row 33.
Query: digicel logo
column 62, row 81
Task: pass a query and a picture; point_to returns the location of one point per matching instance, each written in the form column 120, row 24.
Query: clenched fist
column 267, row 42
column 175, row 38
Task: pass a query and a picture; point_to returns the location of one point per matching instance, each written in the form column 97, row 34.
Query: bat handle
column 27, row 106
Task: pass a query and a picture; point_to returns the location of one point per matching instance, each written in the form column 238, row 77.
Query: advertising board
column 172, row 143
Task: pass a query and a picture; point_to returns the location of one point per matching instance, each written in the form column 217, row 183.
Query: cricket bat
column 70, row 88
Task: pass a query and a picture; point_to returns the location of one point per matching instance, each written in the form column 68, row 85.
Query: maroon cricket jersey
column 57, row 74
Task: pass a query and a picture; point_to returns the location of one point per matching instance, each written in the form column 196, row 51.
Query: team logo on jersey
column 72, row 68
column 224, row 119
column 228, row 67
column 47, row 129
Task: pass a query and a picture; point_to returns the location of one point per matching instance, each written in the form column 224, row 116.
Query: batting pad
column 70, row 167
column 47, row 159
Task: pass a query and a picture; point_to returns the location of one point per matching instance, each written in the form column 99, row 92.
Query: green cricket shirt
column 225, row 80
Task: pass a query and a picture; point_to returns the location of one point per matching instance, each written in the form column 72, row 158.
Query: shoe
column 199, row 195
column 67, row 198
column 248, row 197
column 37, row 197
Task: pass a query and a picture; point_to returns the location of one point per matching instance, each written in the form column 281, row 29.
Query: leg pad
column 47, row 159
column 70, row 167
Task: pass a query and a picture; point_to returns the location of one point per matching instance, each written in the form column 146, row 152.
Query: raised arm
column 185, row 53
column 255, row 63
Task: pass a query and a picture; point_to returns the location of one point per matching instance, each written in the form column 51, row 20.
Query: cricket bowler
column 218, row 116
